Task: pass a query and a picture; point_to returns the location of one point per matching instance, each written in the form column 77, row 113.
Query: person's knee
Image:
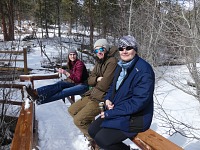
column 58, row 83
column 78, row 121
column 91, row 132
column 101, row 142
column 71, row 111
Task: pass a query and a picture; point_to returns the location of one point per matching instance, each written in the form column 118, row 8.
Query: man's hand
column 99, row 79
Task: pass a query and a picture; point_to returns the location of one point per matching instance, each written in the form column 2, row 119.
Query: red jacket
column 78, row 72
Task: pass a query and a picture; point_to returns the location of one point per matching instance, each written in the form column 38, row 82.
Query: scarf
column 123, row 73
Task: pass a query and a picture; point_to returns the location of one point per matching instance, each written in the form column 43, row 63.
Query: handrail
column 33, row 77
column 24, row 52
column 23, row 136
column 24, row 131
column 16, row 86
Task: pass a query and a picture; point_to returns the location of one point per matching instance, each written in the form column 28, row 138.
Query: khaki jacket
column 105, row 69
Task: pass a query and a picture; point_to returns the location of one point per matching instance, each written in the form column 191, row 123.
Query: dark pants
column 107, row 138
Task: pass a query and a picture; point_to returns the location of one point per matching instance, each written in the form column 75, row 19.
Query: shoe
column 32, row 93
column 93, row 146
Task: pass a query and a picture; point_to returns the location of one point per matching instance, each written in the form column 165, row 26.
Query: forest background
column 167, row 33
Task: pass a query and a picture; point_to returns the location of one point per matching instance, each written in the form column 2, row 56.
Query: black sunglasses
column 127, row 48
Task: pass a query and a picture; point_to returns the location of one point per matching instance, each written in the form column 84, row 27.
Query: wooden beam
column 11, row 60
column 17, row 86
column 11, row 52
column 71, row 99
column 11, row 68
column 38, row 77
column 31, row 78
column 23, row 136
column 25, row 61
column 155, row 141
column 12, row 102
column 24, row 52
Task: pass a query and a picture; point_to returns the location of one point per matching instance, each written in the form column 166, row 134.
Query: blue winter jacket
column 133, row 101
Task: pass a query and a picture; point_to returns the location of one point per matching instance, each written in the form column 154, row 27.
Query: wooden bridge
column 26, row 137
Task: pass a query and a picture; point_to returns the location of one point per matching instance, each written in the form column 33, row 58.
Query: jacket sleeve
column 76, row 73
column 108, row 75
column 92, row 79
column 112, row 86
column 141, row 97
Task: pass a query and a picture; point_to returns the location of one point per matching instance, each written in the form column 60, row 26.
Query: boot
column 32, row 93
column 92, row 144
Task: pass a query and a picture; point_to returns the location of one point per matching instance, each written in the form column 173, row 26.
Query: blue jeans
column 60, row 90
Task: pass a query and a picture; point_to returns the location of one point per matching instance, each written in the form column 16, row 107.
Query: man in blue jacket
column 129, row 101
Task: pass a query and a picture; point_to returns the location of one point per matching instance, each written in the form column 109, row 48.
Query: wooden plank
column 33, row 77
column 12, row 102
column 35, row 135
column 17, row 86
column 23, row 136
column 38, row 77
column 71, row 99
column 25, row 61
column 141, row 144
column 11, row 60
column 12, row 52
column 35, row 131
column 155, row 141
column 11, row 68
column 24, row 52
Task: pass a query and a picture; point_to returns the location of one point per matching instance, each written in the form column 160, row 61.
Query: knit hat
column 102, row 43
column 128, row 41
column 72, row 50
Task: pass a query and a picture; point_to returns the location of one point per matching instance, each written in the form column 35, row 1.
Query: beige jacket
column 103, row 69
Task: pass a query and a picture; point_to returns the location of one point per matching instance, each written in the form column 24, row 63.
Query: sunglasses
column 127, row 48
column 101, row 49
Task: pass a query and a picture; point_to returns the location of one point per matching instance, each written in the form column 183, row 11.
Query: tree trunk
column 7, row 20
column 11, row 21
column 91, row 24
column 46, row 23
column 5, row 34
column 58, row 7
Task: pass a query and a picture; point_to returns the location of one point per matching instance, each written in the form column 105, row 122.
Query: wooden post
column 25, row 61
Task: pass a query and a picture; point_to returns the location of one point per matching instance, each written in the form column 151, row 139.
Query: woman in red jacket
column 75, row 84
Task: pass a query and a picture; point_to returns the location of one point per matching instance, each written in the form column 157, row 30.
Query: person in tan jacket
column 84, row 110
